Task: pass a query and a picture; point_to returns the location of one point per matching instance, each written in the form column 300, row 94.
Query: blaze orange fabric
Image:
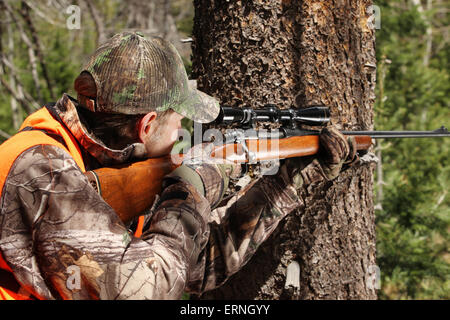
column 25, row 140
column 140, row 227
column 21, row 142
column 6, row 294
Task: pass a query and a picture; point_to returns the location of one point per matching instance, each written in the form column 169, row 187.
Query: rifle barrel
column 441, row 132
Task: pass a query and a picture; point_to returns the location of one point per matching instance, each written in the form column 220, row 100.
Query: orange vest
column 24, row 140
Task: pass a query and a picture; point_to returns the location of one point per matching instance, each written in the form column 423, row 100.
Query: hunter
column 60, row 240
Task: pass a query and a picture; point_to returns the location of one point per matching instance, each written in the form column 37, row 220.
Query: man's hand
column 335, row 153
column 208, row 175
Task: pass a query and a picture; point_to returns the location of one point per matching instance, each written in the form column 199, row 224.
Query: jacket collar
column 66, row 110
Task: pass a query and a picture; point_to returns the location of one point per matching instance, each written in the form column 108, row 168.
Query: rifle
column 130, row 189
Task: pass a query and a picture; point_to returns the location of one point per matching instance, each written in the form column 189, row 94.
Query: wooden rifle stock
column 263, row 150
column 130, row 189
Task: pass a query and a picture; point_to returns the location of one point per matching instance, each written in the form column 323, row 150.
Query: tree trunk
column 249, row 53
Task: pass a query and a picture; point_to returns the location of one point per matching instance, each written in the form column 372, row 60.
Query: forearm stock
column 270, row 149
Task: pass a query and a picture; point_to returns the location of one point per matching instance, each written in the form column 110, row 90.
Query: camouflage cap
column 135, row 74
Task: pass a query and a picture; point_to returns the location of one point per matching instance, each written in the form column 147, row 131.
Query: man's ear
column 146, row 125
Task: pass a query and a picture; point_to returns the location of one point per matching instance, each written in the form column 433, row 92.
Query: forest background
column 43, row 45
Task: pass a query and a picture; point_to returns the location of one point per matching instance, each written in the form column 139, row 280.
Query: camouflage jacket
column 62, row 241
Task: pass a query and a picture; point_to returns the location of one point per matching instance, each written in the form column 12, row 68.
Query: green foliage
column 184, row 16
column 413, row 225
column 5, row 116
column 62, row 69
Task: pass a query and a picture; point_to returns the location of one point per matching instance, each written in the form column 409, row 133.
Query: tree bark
column 299, row 53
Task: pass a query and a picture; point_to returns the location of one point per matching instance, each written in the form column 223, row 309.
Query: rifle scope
column 313, row 116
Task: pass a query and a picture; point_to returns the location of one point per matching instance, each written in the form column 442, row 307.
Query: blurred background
column 43, row 45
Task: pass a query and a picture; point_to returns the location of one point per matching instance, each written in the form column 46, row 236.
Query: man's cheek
column 175, row 134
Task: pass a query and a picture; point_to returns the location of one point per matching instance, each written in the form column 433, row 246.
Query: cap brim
column 199, row 107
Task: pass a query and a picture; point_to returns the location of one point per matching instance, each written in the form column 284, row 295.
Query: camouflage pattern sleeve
column 240, row 227
column 63, row 241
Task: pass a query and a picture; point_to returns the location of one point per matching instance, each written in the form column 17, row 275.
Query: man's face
column 163, row 134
